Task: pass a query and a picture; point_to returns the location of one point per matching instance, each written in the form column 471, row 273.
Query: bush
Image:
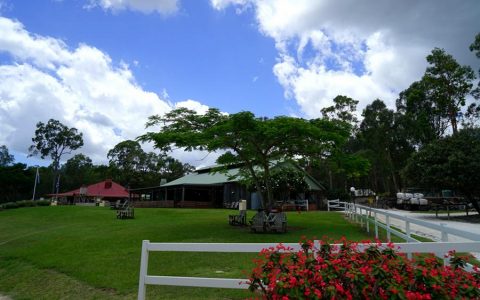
column 24, row 203
column 346, row 273
column 10, row 205
column 43, row 202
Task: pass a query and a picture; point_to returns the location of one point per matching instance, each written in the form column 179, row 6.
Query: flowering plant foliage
column 345, row 272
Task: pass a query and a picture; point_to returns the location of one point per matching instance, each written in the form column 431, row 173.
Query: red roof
column 104, row 189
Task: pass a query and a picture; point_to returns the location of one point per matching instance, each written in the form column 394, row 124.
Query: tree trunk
column 268, row 187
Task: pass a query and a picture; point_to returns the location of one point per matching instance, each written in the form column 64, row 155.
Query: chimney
column 108, row 183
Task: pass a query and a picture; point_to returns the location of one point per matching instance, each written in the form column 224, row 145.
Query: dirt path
column 2, row 297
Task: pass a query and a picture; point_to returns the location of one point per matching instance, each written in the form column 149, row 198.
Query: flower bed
column 347, row 273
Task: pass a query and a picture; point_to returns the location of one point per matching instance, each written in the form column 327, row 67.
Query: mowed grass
column 70, row 252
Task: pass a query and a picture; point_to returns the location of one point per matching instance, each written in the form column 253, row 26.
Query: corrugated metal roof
column 100, row 189
column 206, row 178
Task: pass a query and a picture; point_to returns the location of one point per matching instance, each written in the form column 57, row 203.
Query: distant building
column 206, row 189
column 106, row 190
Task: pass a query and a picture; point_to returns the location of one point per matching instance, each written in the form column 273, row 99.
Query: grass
column 86, row 253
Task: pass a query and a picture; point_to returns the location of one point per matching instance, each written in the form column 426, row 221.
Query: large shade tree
column 53, row 140
column 245, row 140
column 449, row 163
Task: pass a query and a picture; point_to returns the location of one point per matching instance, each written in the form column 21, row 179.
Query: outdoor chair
column 126, row 211
column 277, row 222
column 239, row 220
column 259, row 222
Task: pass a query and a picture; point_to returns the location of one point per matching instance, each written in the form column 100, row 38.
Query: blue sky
column 104, row 66
column 199, row 53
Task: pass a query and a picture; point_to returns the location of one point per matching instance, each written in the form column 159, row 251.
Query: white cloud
column 362, row 49
column 193, row 105
column 164, row 7
column 80, row 87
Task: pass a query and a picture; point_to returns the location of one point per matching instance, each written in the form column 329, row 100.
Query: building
column 106, row 190
column 206, row 189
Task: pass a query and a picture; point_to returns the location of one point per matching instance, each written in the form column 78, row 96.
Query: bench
column 126, row 213
column 238, row 220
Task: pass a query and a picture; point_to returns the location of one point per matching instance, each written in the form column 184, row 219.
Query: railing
column 336, row 204
column 234, row 283
column 366, row 215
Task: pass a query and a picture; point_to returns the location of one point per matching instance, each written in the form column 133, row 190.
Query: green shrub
column 9, row 205
column 24, row 203
column 43, row 202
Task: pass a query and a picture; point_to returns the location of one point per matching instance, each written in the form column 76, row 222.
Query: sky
column 105, row 66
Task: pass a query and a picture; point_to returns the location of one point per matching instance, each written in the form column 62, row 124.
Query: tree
column 136, row 168
column 448, row 83
column 343, row 110
column 55, row 139
column 77, row 171
column 16, row 182
column 252, row 143
column 421, row 115
column 343, row 161
column 382, row 140
column 5, row 157
column 475, row 47
column 128, row 158
column 449, row 163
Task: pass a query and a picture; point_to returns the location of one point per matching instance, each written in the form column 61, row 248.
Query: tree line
column 429, row 140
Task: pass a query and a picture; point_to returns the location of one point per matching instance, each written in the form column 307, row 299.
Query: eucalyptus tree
column 53, row 140
column 447, row 85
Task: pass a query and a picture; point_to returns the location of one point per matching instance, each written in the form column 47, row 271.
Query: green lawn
column 86, row 253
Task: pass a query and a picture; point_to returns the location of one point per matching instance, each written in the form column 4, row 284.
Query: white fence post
column 361, row 217
column 143, row 270
column 367, row 213
column 444, row 239
column 388, row 228
column 376, row 225
column 407, row 231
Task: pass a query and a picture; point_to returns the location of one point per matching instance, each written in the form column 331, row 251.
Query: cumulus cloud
column 80, row 87
column 164, row 7
column 363, row 49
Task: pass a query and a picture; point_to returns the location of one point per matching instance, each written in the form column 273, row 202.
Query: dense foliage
column 347, row 273
column 452, row 163
column 250, row 142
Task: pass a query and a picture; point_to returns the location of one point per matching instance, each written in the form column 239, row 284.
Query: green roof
column 203, row 177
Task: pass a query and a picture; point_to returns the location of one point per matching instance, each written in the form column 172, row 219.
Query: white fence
column 147, row 247
column 336, row 204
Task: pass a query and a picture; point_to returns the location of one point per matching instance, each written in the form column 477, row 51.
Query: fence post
column 367, row 220
column 444, row 239
column 376, row 225
column 388, row 227
column 361, row 217
column 407, row 231
column 328, row 205
column 143, row 270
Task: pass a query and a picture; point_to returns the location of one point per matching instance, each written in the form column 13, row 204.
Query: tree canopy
column 246, row 140
column 451, row 163
column 5, row 157
column 54, row 139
